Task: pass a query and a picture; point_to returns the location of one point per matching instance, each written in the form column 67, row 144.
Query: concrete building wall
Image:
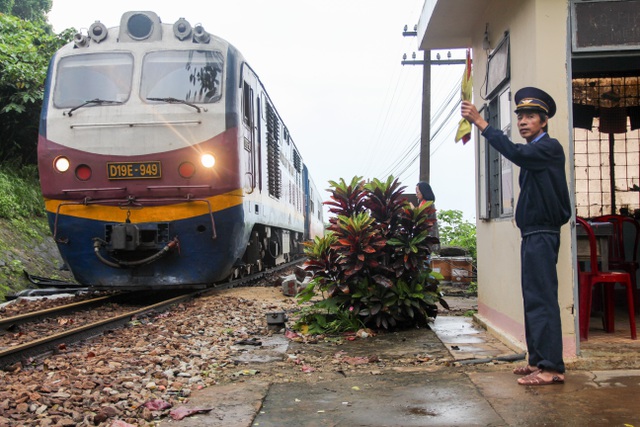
column 539, row 57
column 539, row 48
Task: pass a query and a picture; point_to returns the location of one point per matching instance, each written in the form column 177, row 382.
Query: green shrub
column 20, row 195
column 370, row 267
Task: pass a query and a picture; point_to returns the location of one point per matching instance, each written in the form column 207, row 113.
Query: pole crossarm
column 434, row 62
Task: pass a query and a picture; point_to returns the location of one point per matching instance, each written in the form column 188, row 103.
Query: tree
column 6, row 6
column 454, row 231
column 30, row 10
column 25, row 51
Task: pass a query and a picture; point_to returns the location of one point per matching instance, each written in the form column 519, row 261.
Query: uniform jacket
column 543, row 204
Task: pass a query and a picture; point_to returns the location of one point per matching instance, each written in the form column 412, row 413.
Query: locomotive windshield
column 81, row 78
column 191, row 76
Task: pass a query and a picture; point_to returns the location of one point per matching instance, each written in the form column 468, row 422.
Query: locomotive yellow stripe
column 178, row 211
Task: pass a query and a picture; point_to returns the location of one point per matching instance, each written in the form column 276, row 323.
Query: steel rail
column 11, row 355
column 21, row 353
column 8, row 322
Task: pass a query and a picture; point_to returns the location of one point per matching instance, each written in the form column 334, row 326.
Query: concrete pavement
column 457, row 393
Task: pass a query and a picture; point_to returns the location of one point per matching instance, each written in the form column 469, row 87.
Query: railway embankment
column 26, row 245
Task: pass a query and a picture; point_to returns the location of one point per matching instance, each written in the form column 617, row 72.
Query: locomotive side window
column 186, row 75
column 247, row 104
column 104, row 76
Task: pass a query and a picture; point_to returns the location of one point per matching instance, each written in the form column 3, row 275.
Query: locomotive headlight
column 61, row 164
column 207, row 160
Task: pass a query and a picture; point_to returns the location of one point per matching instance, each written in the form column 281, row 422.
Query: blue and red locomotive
column 164, row 163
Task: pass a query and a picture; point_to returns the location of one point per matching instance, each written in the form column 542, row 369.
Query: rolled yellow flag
column 464, row 127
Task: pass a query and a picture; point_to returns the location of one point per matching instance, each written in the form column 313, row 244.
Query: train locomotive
column 163, row 162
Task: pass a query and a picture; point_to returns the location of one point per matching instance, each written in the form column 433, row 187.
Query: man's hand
column 470, row 112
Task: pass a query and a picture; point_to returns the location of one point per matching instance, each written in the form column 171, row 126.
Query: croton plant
column 371, row 268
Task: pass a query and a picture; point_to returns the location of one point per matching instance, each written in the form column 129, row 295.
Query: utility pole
column 425, row 134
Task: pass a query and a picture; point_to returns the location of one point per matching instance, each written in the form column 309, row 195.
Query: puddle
column 273, row 349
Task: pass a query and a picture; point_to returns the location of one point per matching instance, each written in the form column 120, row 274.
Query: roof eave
column 449, row 24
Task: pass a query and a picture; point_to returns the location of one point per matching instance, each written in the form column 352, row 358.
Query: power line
column 403, row 162
column 381, row 125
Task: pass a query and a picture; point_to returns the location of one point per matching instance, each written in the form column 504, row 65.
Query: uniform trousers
column 539, row 276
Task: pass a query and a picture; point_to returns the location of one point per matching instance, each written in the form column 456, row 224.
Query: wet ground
column 465, row 380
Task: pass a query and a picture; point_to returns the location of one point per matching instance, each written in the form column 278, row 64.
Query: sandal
column 524, row 370
column 535, row 379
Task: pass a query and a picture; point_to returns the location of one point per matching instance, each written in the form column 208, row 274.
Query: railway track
column 25, row 352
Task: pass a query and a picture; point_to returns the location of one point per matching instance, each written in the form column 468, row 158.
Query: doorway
column 606, row 146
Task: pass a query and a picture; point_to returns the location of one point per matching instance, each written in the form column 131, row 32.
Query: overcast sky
column 333, row 70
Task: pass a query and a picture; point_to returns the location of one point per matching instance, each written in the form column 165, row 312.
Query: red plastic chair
column 619, row 258
column 587, row 280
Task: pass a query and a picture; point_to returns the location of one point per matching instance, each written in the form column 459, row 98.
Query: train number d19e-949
column 163, row 161
column 128, row 170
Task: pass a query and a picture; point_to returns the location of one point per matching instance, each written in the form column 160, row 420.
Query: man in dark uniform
column 543, row 207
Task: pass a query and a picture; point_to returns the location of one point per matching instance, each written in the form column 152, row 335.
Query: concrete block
column 289, row 285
